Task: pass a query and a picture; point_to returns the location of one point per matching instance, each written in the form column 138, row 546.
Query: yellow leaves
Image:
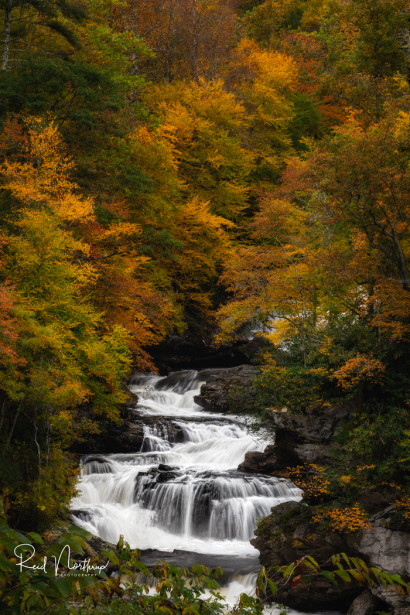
column 279, row 331
column 203, row 126
column 265, row 81
column 277, row 277
column 401, row 125
column 43, row 181
column 266, row 68
column 125, row 229
column 67, row 359
column 392, row 307
column 206, row 243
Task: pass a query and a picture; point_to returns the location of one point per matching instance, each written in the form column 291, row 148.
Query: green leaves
column 329, row 576
column 357, row 570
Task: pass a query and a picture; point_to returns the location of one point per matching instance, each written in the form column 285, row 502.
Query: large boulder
column 366, row 604
column 384, row 547
column 288, row 535
column 259, row 463
column 129, row 436
column 228, row 389
column 308, row 437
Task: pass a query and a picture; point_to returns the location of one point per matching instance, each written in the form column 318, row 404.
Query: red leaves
column 295, row 581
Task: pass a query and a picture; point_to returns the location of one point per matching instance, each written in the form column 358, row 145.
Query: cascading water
column 182, row 495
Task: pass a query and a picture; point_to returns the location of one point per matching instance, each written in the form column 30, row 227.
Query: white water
column 198, row 502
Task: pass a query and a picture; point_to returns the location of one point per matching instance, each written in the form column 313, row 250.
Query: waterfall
column 186, row 495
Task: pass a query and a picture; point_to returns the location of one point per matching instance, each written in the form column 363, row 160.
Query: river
column 181, row 498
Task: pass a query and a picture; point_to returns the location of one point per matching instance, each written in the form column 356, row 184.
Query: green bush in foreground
column 45, row 580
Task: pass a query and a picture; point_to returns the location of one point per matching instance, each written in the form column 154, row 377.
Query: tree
column 63, row 358
column 368, row 54
column 204, row 125
column 275, row 279
column 190, row 38
column 264, row 82
column 35, row 15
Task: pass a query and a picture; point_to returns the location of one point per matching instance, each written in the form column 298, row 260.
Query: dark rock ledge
column 223, row 390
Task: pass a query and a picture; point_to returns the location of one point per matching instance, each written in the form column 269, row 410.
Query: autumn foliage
column 200, row 167
column 344, row 520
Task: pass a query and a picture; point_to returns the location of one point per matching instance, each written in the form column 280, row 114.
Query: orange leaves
column 265, row 81
column 64, row 357
column 344, row 520
column 403, row 505
column 359, row 369
column 310, row 479
column 191, row 38
column 8, row 325
column 264, row 69
column 43, row 181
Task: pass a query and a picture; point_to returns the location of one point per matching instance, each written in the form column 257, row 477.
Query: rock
column 218, row 393
column 164, row 468
column 307, row 437
column 366, row 604
column 376, row 501
column 175, row 353
column 395, row 602
column 128, row 437
column 386, row 548
column 97, row 544
column 287, row 535
column 260, row 463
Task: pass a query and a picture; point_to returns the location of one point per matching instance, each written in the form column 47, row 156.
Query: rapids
column 182, row 496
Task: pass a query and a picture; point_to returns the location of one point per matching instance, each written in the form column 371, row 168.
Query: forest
column 201, row 168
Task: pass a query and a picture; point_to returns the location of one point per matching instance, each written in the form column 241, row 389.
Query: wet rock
column 82, row 515
column 231, row 564
column 307, row 437
column 175, row 353
column 366, row 604
column 224, row 390
column 98, row 545
column 259, row 463
column 129, row 436
column 166, row 473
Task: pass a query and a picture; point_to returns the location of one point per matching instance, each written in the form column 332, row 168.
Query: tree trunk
column 405, row 38
column 195, row 42
column 6, row 36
